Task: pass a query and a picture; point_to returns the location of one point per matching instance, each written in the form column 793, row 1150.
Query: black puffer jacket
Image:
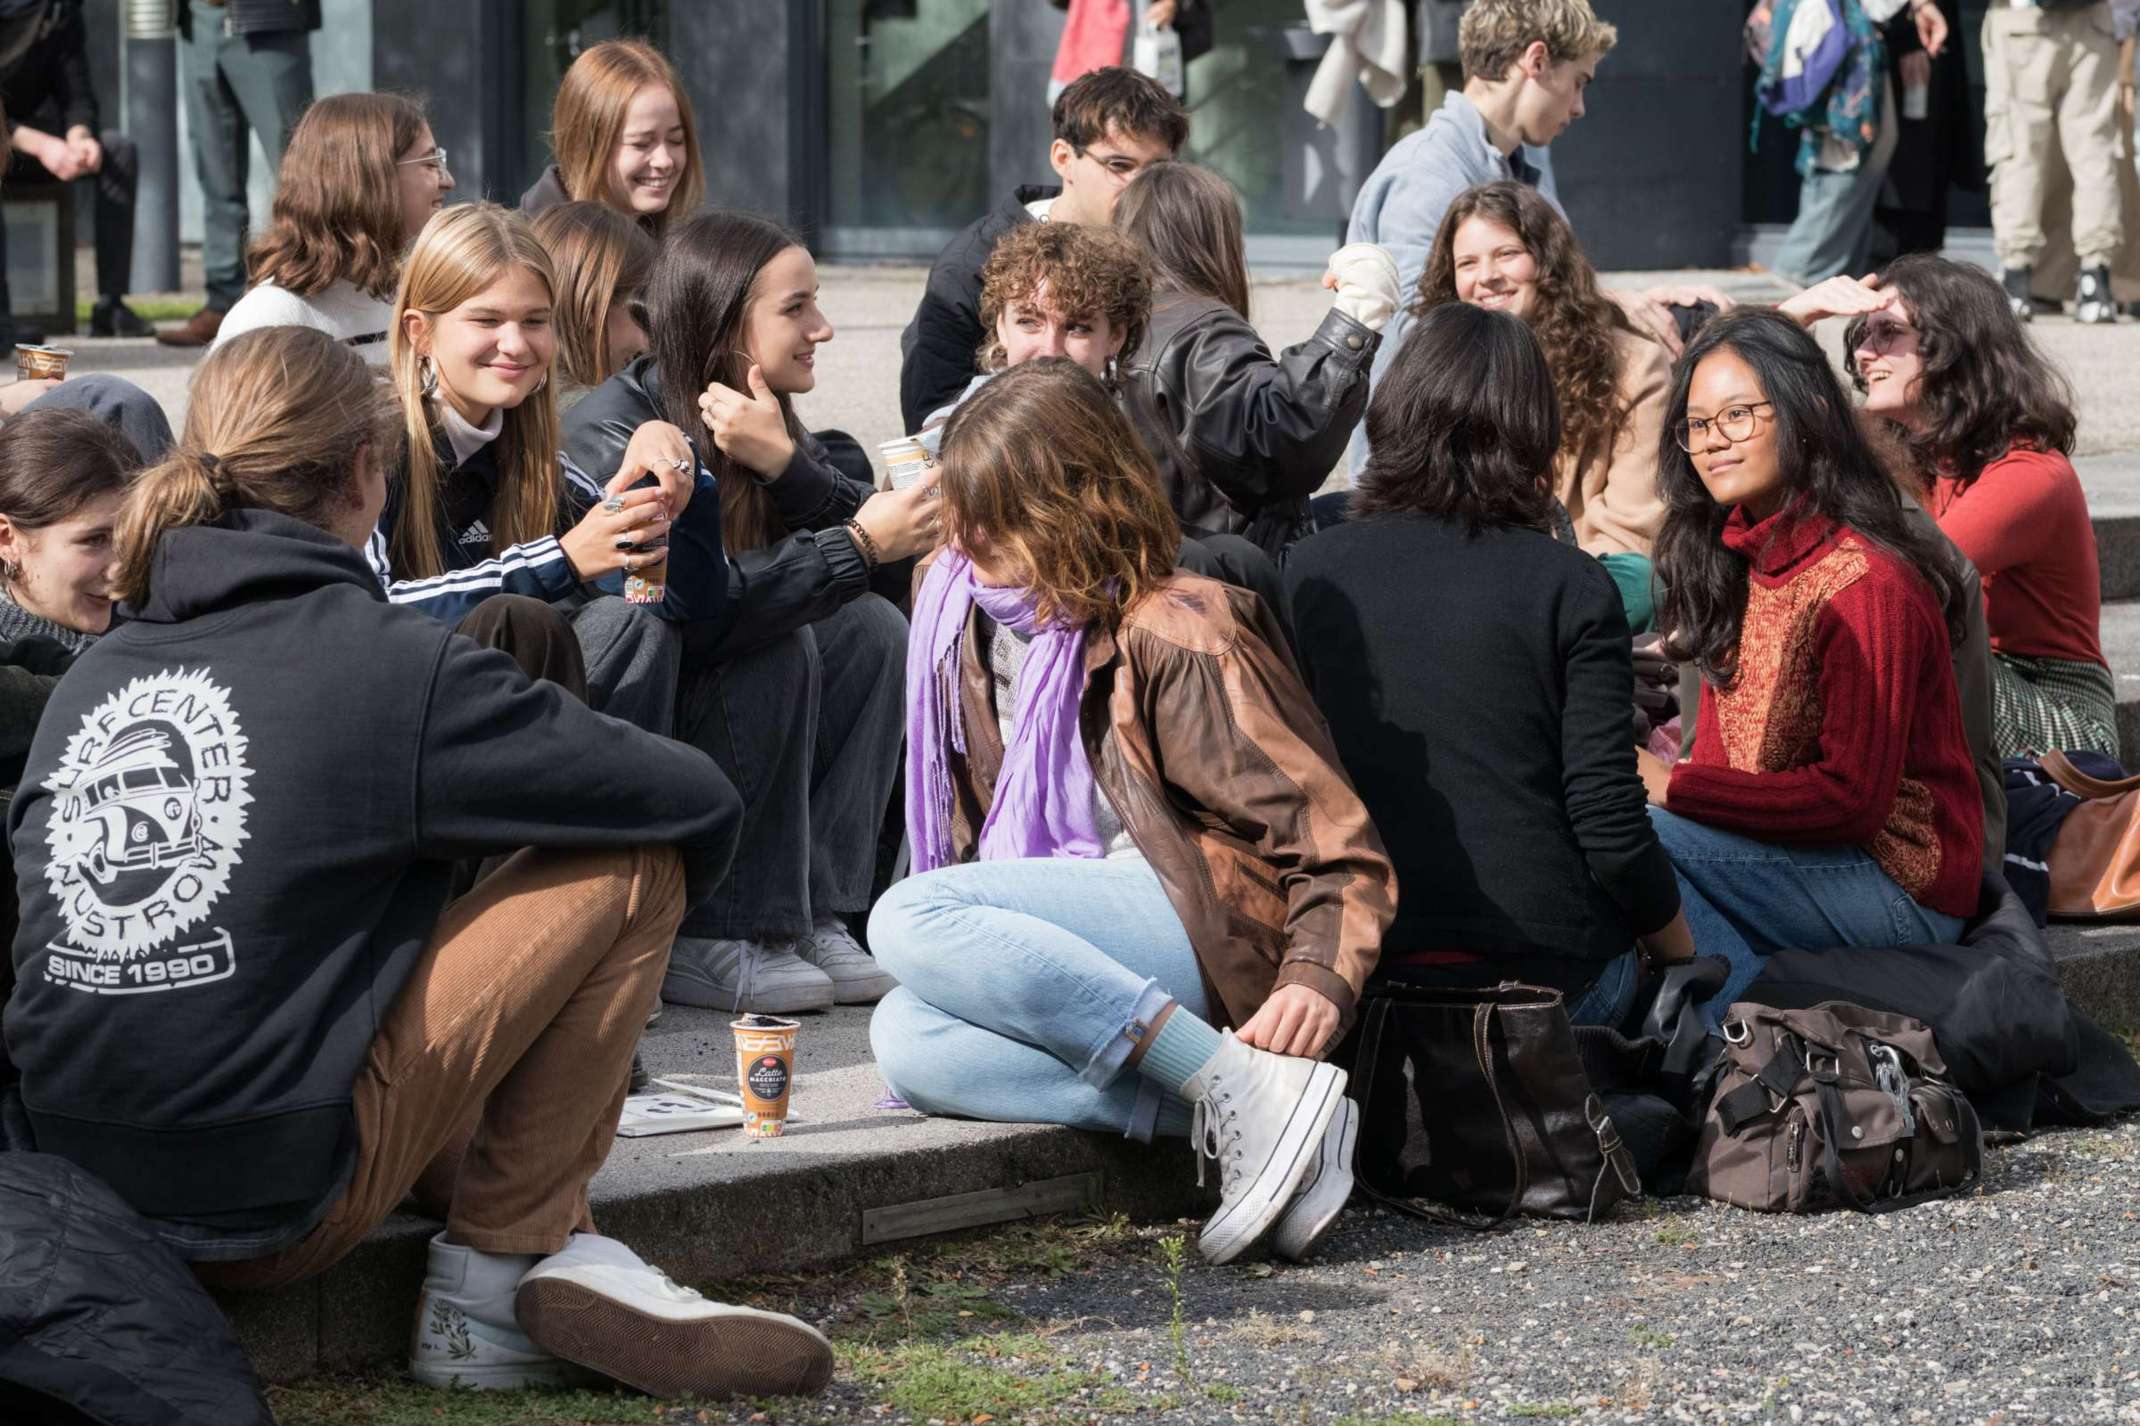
column 100, row 1322
column 1244, row 438
column 772, row 591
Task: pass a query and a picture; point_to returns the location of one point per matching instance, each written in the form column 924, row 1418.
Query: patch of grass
column 1675, row 1235
column 1545, row 1410
column 389, row 1401
column 1651, row 1337
column 1007, row 1377
column 151, row 309
column 1173, row 1256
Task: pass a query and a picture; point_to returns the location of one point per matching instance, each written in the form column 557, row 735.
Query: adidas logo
column 476, row 534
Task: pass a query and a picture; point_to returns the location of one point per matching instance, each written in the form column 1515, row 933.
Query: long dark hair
column 1827, row 467
column 1573, row 319
column 1464, row 424
column 1986, row 384
column 697, row 300
column 1189, row 220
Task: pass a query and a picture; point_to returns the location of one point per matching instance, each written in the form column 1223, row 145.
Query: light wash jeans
column 1746, row 900
column 1018, row 983
column 1833, row 231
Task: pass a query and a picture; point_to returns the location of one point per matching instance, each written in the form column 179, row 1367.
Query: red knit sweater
column 1841, row 723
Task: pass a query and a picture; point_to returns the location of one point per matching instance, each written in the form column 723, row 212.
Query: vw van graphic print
column 143, row 830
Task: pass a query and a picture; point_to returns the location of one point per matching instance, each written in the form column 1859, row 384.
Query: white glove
column 1366, row 277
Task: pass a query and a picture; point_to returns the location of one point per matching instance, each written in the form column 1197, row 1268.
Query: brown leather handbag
column 1509, row 1122
column 2095, row 860
column 1835, row 1106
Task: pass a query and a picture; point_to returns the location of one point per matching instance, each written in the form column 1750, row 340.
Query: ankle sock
column 1183, row 1046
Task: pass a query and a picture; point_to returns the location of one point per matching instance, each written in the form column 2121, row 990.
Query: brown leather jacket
column 1208, row 745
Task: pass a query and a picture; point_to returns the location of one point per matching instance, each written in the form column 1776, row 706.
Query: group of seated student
column 1172, row 752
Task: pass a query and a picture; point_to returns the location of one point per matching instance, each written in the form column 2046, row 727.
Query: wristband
column 871, row 556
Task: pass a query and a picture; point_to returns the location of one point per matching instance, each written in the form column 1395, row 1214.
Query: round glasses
column 1736, row 423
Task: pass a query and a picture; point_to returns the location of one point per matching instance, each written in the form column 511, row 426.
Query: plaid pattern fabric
column 2042, row 705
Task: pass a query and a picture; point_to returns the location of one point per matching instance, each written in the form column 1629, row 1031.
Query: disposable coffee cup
column 906, row 460
column 650, row 583
column 34, row 363
column 765, row 1072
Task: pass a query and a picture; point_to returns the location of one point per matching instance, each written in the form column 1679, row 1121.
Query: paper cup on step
column 765, row 1072
column 41, row 363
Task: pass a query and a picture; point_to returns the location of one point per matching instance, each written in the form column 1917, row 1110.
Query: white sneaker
column 466, row 1334
column 739, row 976
column 856, row 977
column 1261, row 1117
column 1314, row 1211
column 598, row 1305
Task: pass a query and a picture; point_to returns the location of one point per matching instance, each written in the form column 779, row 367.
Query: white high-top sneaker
column 466, row 1334
column 856, row 977
column 1314, row 1211
column 1261, row 1117
column 739, row 976
column 597, row 1304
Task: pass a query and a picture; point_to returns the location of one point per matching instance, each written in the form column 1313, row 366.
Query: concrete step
column 2112, row 482
column 714, row 1206
column 2099, row 966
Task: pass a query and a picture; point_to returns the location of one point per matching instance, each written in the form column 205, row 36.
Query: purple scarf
column 1043, row 798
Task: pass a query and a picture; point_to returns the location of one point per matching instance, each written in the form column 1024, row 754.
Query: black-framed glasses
column 436, row 158
column 1736, row 423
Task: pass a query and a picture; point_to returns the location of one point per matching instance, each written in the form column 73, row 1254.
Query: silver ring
column 614, row 504
column 679, row 465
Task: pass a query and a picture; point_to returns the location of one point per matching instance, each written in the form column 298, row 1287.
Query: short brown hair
column 274, row 421
column 1119, row 101
column 1494, row 33
column 335, row 214
column 55, row 460
column 1042, row 466
column 602, row 258
column 1085, row 269
column 587, row 121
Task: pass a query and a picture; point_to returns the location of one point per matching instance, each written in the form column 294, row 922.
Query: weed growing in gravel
column 1674, row 1235
column 389, row 1401
column 1173, row 1257
column 1651, row 1337
column 1016, row 1377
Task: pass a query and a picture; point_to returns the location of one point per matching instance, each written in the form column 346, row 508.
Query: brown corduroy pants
column 521, row 1017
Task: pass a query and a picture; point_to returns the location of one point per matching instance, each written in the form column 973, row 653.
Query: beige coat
column 1614, row 503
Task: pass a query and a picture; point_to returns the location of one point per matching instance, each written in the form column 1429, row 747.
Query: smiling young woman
column 1830, row 795
column 623, row 134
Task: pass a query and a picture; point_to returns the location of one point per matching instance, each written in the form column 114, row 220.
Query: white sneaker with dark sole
column 743, row 977
column 1261, row 1117
column 598, row 1305
column 1314, row 1211
column 466, row 1335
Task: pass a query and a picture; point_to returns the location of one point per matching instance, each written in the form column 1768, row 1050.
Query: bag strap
column 1482, row 1048
column 1369, row 1064
column 2057, row 767
column 1766, row 1091
column 1830, row 1099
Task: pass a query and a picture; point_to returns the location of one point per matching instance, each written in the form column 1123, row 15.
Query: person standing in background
column 52, row 130
column 1939, row 146
column 246, row 68
column 2051, row 74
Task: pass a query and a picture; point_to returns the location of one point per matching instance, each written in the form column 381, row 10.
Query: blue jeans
column 1745, row 900
column 1018, row 981
column 1833, row 231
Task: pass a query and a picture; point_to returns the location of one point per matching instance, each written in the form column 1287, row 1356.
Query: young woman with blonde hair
column 603, row 260
column 1128, row 825
column 623, row 135
column 485, row 506
column 306, row 1020
column 331, row 256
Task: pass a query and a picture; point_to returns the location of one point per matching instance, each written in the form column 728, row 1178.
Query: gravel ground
column 2016, row 1304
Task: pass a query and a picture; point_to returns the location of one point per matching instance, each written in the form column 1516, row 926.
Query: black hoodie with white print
column 233, row 838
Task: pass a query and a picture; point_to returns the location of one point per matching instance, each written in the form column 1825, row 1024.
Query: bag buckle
column 1737, row 1033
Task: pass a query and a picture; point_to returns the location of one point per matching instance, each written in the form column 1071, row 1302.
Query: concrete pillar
column 151, row 56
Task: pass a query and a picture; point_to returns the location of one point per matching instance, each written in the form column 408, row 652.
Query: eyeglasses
column 1737, row 424
column 436, row 158
column 1879, row 338
column 1118, row 165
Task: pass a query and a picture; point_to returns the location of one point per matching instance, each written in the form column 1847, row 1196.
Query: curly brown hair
column 1087, row 271
column 334, row 216
column 1572, row 319
column 1042, row 471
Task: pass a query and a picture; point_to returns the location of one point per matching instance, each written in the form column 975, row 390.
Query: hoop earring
column 426, row 376
column 541, row 382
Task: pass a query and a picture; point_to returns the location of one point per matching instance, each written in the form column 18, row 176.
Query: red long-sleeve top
column 2024, row 524
column 1840, row 724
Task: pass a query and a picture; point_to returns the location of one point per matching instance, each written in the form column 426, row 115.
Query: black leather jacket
column 1244, row 438
column 772, row 591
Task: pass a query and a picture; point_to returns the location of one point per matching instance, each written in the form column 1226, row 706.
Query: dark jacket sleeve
column 508, row 762
column 937, row 349
column 1604, row 796
column 31, row 671
column 1262, row 428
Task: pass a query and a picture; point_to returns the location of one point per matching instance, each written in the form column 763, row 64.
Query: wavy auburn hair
column 1087, row 271
column 1986, row 384
column 275, row 419
column 602, row 258
column 1041, row 470
column 1828, row 468
column 587, row 124
column 461, row 251
column 337, row 209
column 1573, row 320
column 1189, row 220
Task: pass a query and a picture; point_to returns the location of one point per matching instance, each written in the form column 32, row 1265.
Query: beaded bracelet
column 871, row 556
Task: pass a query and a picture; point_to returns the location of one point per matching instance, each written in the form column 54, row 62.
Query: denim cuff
column 1136, row 1028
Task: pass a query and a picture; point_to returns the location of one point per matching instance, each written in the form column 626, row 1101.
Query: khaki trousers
column 2050, row 76
column 521, row 1017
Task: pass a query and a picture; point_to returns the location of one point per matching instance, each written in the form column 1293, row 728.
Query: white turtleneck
column 465, row 439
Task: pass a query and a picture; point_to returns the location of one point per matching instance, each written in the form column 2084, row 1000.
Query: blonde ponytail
column 274, row 421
